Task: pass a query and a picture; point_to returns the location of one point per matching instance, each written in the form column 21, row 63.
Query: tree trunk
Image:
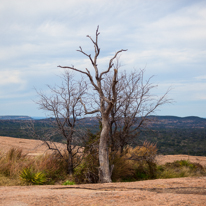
column 70, row 166
column 104, row 170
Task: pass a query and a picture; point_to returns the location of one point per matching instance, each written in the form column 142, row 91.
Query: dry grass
column 14, row 162
column 135, row 163
column 147, row 152
column 132, row 165
column 123, row 168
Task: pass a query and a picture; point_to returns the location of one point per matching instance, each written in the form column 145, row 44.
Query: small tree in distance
column 66, row 109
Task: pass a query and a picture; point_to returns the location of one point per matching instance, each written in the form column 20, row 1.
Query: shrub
column 123, row 168
column 49, row 167
column 141, row 175
column 12, row 162
column 144, row 156
column 7, row 181
column 68, row 183
column 30, row 177
column 87, row 171
column 53, row 166
column 180, row 168
column 135, row 163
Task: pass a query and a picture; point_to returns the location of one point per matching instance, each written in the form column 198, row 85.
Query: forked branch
column 87, row 73
column 88, row 55
column 85, row 109
column 111, row 62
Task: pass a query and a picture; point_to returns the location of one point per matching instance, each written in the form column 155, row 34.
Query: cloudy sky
column 167, row 37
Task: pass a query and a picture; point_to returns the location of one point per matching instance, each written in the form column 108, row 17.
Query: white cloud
column 201, row 78
column 200, row 96
column 15, row 51
column 182, row 29
column 184, row 91
column 10, row 77
column 11, row 84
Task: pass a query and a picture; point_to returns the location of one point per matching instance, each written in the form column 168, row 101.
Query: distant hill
column 156, row 121
column 161, row 122
column 177, row 122
column 15, row 117
column 173, row 135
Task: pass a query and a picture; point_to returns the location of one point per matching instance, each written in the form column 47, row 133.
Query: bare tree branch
column 111, row 62
column 85, row 109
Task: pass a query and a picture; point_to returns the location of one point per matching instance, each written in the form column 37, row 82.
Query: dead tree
column 105, row 103
column 66, row 109
column 134, row 103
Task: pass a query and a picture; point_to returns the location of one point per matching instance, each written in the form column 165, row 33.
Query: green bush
column 141, row 175
column 68, row 183
column 180, row 168
column 30, row 177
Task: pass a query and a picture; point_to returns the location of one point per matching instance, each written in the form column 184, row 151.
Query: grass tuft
column 67, row 182
column 30, row 177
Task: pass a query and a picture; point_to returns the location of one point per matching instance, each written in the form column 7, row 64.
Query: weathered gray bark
column 105, row 173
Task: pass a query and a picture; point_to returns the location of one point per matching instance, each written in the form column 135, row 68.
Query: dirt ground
column 178, row 191
column 174, row 192
column 29, row 146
